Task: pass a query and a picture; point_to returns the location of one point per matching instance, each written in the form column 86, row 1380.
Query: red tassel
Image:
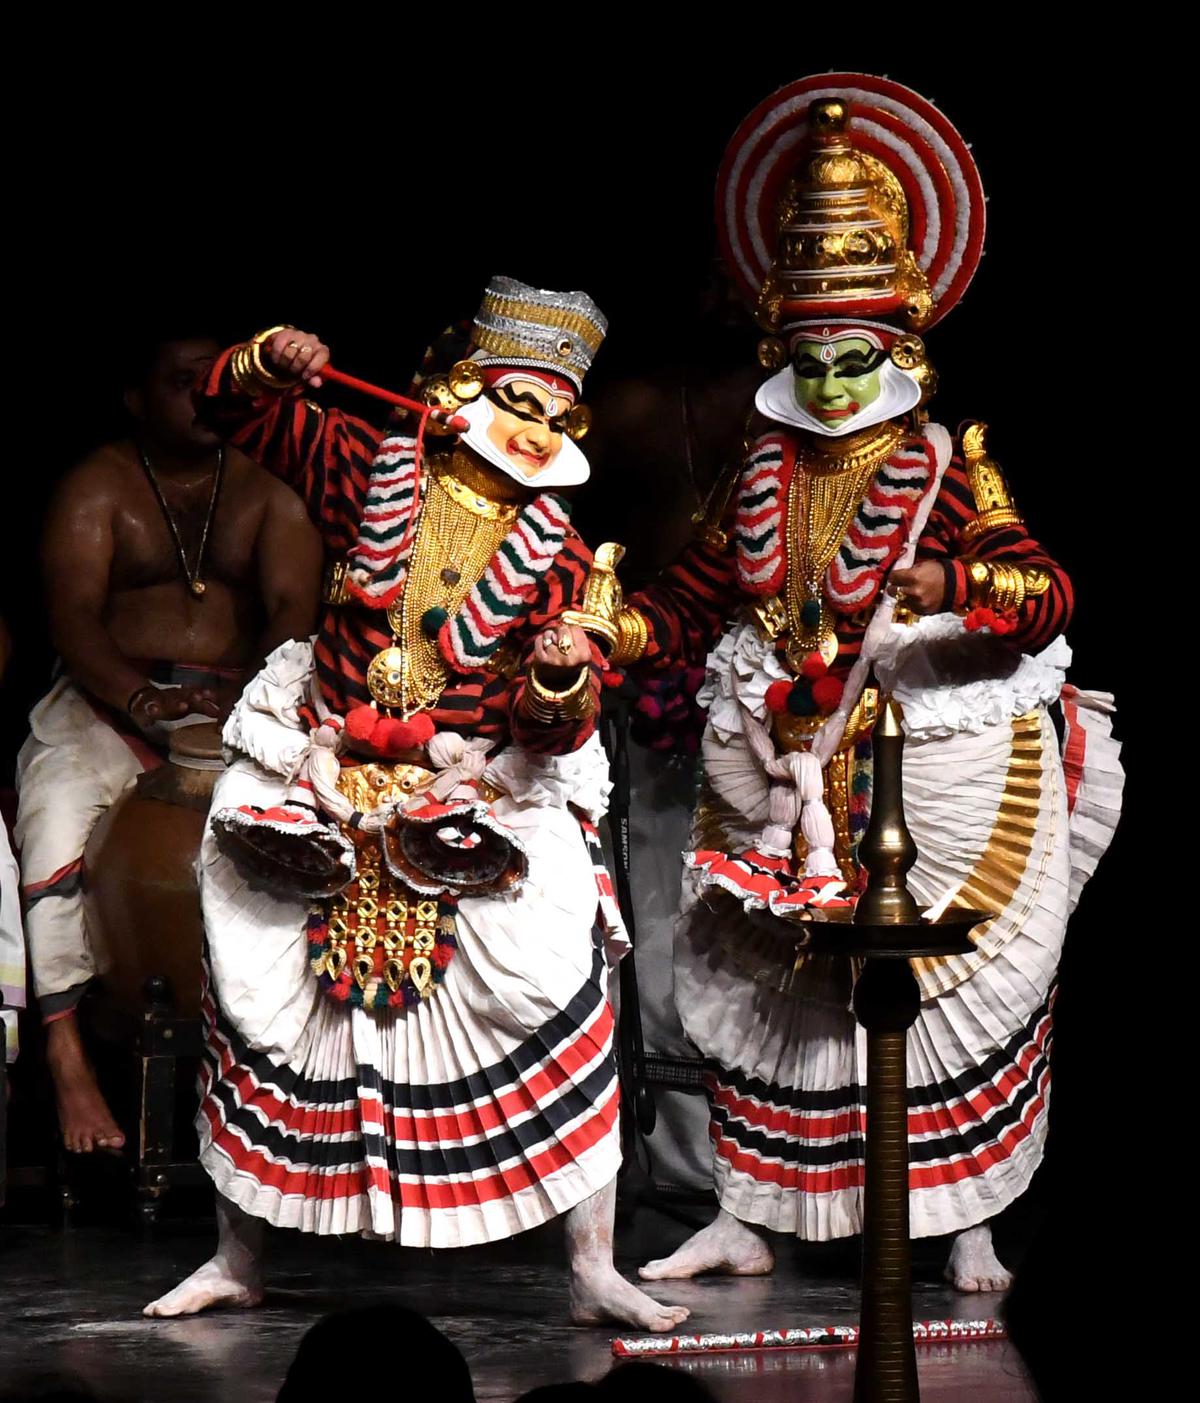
column 814, row 666
column 388, row 736
column 827, row 693
column 777, row 697
column 361, row 722
column 418, row 731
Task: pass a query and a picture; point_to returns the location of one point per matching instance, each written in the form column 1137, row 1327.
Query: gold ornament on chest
column 464, row 518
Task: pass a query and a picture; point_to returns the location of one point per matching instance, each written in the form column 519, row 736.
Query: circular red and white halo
column 889, row 121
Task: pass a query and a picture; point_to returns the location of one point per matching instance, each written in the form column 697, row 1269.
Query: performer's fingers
column 278, row 344
column 315, row 363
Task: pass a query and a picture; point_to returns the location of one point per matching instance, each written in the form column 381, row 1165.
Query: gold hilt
column 603, row 598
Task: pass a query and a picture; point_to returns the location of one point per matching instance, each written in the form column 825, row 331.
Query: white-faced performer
column 409, row 924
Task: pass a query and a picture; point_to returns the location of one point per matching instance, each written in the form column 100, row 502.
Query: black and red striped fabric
column 688, row 608
column 325, row 455
column 812, row 1140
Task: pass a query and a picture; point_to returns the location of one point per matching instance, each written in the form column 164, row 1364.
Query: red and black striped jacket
column 699, row 594
column 325, row 455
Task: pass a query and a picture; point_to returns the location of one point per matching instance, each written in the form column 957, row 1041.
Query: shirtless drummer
column 172, row 565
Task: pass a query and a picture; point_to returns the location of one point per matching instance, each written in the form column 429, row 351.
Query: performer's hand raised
column 560, row 648
column 920, row 589
column 297, row 353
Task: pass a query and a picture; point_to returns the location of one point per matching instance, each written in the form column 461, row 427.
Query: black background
column 366, row 184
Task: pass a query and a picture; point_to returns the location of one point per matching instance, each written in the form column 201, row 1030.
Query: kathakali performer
column 409, row 923
column 857, row 535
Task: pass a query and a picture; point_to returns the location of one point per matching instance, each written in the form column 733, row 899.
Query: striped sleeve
column 686, row 607
column 561, row 588
column 325, row 455
column 1041, row 618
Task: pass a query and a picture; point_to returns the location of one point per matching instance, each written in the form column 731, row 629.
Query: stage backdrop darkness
column 374, row 211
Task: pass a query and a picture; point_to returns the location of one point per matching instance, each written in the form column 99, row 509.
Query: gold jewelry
column 460, row 526
column 563, row 642
column 574, row 703
column 269, row 378
column 992, row 501
column 995, row 585
column 633, row 635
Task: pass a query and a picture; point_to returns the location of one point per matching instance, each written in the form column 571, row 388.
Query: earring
column 578, row 422
column 465, row 381
column 772, row 353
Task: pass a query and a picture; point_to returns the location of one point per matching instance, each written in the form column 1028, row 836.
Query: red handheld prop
column 454, row 422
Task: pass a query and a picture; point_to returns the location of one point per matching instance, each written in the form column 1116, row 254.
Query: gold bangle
column 243, row 374
column 271, row 379
column 540, row 703
column 633, row 636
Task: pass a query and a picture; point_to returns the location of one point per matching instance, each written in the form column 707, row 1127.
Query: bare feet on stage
column 973, row 1264
column 83, row 1115
column 232, row 1277
column 598, row 1291
column 727, row 1245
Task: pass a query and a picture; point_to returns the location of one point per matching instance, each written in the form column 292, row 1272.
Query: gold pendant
column 385, row 677
column 420, row 971
column 198, row 588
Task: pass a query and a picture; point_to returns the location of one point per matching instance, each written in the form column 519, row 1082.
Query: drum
column 141, row 899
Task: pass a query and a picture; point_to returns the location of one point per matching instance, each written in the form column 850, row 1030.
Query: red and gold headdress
column 846, row 196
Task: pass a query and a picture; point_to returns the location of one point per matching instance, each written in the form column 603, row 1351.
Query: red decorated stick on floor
column 803, row 1337
column 443, row 416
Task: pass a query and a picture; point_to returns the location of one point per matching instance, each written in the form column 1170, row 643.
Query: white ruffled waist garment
column 474, row 1114
column 998, row 822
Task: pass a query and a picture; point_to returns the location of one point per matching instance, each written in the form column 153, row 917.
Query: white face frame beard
column 567, row 468
column 899, row 392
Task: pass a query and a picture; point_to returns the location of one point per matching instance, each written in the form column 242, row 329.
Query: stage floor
column 72, row 1301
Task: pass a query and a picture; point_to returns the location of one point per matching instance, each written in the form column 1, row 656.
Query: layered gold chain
column 826, row 490
column 462, row 525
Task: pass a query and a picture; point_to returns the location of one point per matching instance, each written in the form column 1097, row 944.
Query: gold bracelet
column 271, row 379
column 633, row 636
column 541, row 704
column 995, row 585
column 242, row 370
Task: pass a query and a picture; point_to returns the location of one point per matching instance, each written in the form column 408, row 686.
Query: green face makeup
column 834, row 391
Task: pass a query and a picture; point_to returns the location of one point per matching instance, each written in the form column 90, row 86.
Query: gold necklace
column 825, row 492
column 459, row 525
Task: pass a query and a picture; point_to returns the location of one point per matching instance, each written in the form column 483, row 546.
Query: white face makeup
column 518, row 429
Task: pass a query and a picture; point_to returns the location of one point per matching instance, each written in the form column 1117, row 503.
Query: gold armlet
column 995, row 585
column 633, row 636
column 269, row 378
column 574, row 703
column 600, row 607
column 993, row 503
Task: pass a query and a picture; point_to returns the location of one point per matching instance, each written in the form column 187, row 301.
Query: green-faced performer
column 858, row 534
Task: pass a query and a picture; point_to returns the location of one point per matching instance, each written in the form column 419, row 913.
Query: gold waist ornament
column 461, row 527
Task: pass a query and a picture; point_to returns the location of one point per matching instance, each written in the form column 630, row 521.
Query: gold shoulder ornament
column 992, row 500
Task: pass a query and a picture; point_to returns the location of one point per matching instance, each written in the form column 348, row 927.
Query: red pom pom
column 1005, row 623
column 827, row 693
column 442, row 955
column 387, row 736
column 361, row 722
column 418, row 731
column 612, row 679
column 979, row 618
column 340, row 990
column 814, row 666
column 777, row 696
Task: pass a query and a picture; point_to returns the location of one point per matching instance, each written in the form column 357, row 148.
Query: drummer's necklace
column 193, row 578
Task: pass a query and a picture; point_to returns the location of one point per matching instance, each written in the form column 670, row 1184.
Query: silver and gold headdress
column 519, row 325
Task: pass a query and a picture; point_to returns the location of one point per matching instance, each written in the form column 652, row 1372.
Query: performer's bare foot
column 598, row 1290
column 602, row 1293
column 83, row 1115
column 727, row 1245
column 973, row 1264
column 232, row 1277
